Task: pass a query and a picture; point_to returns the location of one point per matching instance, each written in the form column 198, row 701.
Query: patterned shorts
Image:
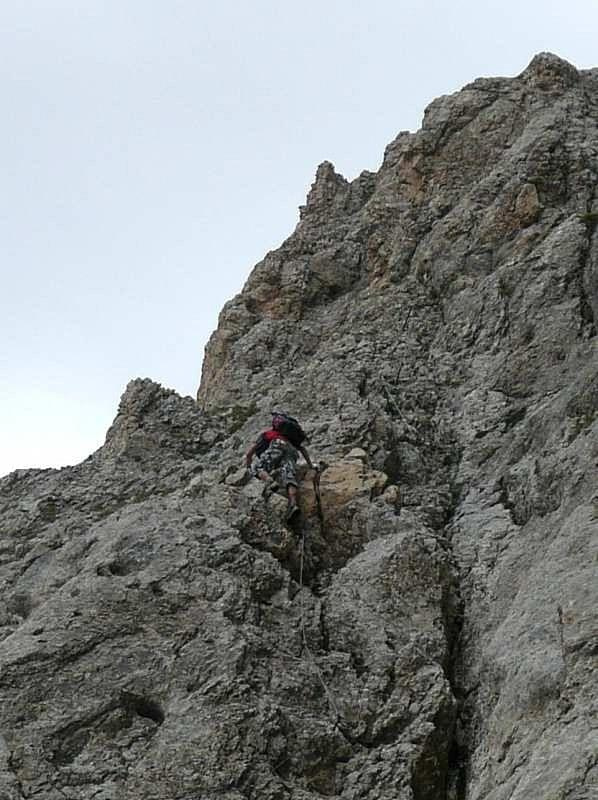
column 280, row 456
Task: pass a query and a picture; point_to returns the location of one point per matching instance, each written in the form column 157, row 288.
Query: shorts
column 280, row 456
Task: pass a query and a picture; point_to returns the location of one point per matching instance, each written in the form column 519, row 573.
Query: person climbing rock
column 277, row 449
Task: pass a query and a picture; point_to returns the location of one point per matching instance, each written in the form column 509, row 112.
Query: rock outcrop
column 433, row 634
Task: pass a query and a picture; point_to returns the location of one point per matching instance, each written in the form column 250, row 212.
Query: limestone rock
column 341, row 482
column 429, row 631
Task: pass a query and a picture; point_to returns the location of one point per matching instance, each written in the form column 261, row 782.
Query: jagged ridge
column 433, row 325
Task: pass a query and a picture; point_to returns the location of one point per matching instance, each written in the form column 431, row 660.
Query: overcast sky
column 152, row 151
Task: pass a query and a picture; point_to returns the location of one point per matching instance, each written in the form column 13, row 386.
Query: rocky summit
column 432, row 634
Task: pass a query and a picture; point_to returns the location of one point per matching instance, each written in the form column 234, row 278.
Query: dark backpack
column 261, row 445
column 289, row 427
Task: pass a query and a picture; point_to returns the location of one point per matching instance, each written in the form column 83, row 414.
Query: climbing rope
column 312, row 658
column 316, row 483
column 338, row 721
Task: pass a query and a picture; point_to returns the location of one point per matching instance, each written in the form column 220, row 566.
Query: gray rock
column 164, row 633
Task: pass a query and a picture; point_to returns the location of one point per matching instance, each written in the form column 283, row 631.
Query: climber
column 277, row 449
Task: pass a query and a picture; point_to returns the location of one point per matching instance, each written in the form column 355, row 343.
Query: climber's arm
column 249, row 454
column 306, row 456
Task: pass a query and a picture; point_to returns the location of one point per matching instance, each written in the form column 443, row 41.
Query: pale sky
column 152, row 152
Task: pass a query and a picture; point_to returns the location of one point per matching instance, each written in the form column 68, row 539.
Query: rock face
column 433, row 636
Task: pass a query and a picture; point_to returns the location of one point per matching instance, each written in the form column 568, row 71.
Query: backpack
column 261, row 445
column 289, row 427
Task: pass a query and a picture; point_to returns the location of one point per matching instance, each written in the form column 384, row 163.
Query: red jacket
column 270, row 435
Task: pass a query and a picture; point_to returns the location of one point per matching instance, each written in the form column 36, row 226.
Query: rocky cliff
column 433, row 636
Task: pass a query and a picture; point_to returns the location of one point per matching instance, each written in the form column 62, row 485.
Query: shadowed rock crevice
column 143, row 707
column 458, row 732
column 586, row 278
